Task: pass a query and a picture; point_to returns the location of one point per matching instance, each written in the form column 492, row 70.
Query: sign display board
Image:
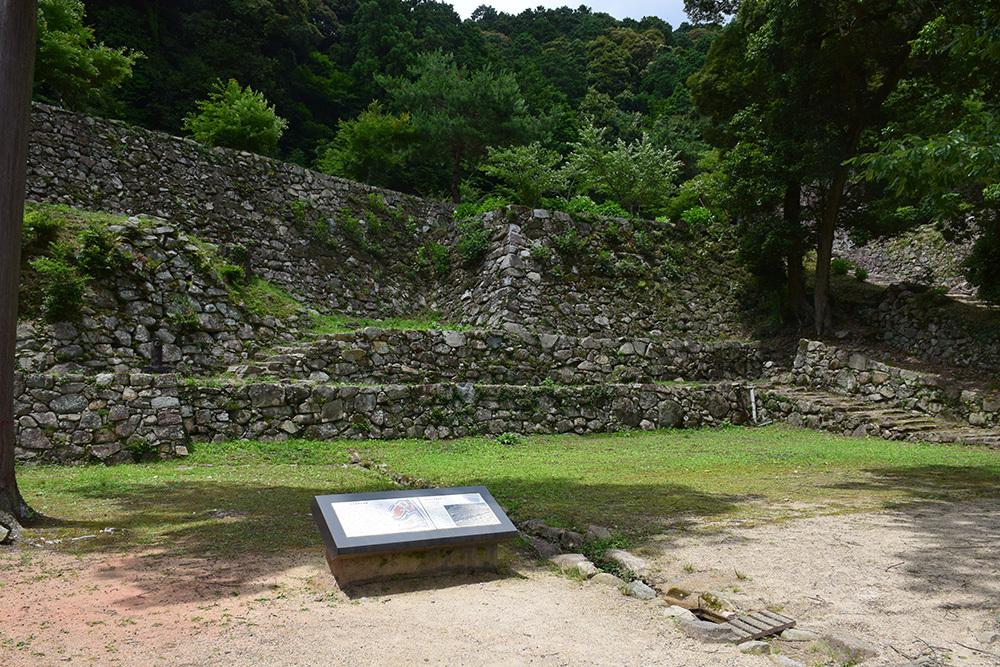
column 359, row 523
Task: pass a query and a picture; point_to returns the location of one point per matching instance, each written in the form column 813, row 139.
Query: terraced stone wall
column 518, row 357
column 928, row 333
column 120, row 417
column 163, row 295
column 315, row 236
column 604, row 290
column 828, row 367
column 285, row 215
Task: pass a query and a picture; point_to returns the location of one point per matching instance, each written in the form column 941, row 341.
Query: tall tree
column 17, row 61
column 841, row 62
column 69, row 68
column 460, row 112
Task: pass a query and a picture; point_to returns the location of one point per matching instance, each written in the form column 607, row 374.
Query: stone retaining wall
column 842, row 371
column 122, row 417
column 275, row 209
column 927, row 332
column 345, row 247
column 579, row 296
column 164, row 294
column 380, row 356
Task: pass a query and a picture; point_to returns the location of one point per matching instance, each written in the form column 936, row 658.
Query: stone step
column 848, row 414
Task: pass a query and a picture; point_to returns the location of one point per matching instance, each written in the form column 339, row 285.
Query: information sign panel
column 358, row 523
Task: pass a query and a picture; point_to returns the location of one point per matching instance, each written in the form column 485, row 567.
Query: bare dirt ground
column 923, row 581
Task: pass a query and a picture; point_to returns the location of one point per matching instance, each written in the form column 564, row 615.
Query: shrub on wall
column 238, row 118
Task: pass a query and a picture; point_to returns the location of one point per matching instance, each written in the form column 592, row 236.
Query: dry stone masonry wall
column 518, row 357
column 127, row 416
column 601, row 292
column 283, row 213
column 927, row 332
column 165, row 295
column 842, row 371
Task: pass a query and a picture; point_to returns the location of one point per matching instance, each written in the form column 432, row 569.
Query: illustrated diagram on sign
column 360, row 518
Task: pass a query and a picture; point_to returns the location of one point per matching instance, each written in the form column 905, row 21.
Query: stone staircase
column 852, row 415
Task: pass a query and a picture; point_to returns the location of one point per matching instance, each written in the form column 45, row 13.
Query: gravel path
column 923, row 581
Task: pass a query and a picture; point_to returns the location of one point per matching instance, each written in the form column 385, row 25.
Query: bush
column 63, row 286
column 40, row 228
column 612, row 210
column 568, row 244
column 581, row 205
column 238, row 118
column 233, row 275
column 839, row 266
column 860, row 274
column 99, row 254
column 435, row 256
column 473, row 241
column 698, row 216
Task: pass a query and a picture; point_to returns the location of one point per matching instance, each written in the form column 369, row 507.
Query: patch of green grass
column 263, row 298
column 240, row 497
column 224, row 499
column 639, row 483
column 327, row 324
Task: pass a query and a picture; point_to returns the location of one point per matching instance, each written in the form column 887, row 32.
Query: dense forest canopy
column 786, row 119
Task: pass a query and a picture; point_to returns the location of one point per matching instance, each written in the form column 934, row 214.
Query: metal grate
column 759, row 624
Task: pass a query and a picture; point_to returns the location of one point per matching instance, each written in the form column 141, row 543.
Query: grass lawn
column 250, row 496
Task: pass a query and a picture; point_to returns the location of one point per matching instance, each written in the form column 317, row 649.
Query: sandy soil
column 923, row 581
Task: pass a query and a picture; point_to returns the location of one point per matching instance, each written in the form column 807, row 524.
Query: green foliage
column 508, row 439
column 63, row 285
column 698, row 216
column 99, row 254
column 182, row 314
column 467, row 210
column 460, row 112
column 233, row 275
column 265, row 300
column 369, row 147
column 861, row 275
column 70, row 69
column 473, row 241
column 40, row 228
column 568, row 243
column 527, row 172
column 238, row 118
column 541, row 253
column 435, row 256
column 839, row 266
column 636, row 175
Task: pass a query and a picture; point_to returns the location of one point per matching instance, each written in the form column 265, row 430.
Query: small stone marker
column 384, row 535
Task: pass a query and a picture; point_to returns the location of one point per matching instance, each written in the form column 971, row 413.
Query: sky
column 671, row 11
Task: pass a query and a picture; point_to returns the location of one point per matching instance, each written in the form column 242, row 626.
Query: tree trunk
column 456, row 196
column 824, row 250
column 797, row 303
column 17, row 63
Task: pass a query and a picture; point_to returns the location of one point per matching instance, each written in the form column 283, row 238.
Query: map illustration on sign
column 385, row 516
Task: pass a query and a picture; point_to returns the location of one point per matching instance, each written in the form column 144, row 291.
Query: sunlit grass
column 239, row 497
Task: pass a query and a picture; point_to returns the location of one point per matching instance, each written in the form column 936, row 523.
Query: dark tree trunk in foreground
column 17, row 64
column 798, row 304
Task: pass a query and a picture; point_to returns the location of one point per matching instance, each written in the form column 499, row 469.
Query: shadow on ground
column 952, row 530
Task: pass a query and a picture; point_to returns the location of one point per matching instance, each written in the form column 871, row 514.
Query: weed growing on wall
column 434, row 256
column 63, row 286
column 99, row 254
column 568, row 244
column 473, row 241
